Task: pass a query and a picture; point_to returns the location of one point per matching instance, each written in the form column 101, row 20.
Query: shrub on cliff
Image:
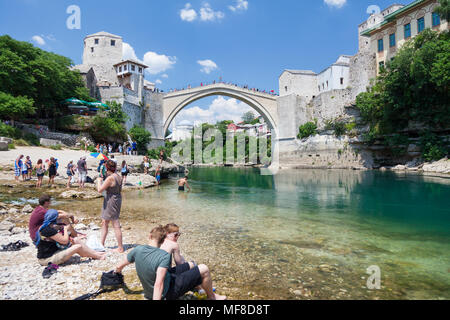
column 307, row 130
column 142, row 138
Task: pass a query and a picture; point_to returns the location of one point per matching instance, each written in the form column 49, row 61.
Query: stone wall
column 362, row 70
column 134, row 113
column 325, row 151
column 330, row 105
column 154, row 118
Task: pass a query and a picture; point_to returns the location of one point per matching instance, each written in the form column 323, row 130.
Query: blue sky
column 245, row 42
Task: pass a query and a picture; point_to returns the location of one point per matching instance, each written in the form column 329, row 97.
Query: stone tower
column 101, row 51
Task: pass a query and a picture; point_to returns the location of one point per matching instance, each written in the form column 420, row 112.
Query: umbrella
column 99, row 156
column 75, row 101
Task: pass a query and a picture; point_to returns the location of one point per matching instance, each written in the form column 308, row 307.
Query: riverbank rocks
column 80, row 194
column 3, row 146
column 441, row 166
column 81, row 226
column 6, row 225
column 49, row 142
column 140, row 181
column 27, row 209
column 13, row 211
column 93, row 226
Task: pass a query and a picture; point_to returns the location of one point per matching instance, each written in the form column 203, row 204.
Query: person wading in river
column 112, row 203
column 183, row 182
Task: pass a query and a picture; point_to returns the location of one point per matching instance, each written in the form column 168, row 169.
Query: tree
column 414, row 87
column 116, row 112
column 141, row 136
column 307, row 130
column 444, row 9
column 39, row 75
column 15, row 107
column 248, row 117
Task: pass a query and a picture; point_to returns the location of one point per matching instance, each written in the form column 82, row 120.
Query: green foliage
column 11, row 146
column 40, row 76
column 56, row 147
column 307, row 130
column 15, row 107
column 154, row 153
column 248, row 117
column 339, row 127
column 20, row 138
column 414, row 87
column 444, row 9
column 105, row 129
column 433, row 148
column 116, row 112
column 398, row 144
column 141, row 136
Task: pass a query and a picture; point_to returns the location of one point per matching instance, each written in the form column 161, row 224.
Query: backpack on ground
column 110, row 281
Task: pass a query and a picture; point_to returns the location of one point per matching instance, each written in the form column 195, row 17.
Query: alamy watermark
column 374, row 280
column 74, row 20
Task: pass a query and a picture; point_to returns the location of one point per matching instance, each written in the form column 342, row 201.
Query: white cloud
column 158, row 63
column 208, row 66
column 208, row 14
column 165, row 76
column 219, row 110
column 158, row 81
column 128, row 52
column 188, row 14
column 241, row 5
column 335, row 3
column 38, row 40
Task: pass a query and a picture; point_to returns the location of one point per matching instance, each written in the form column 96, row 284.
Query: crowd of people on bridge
column 202, row 84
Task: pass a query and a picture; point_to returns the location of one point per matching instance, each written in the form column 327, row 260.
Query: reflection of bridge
column 264, row 103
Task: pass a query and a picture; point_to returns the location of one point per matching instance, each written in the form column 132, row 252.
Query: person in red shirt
column 38, row 214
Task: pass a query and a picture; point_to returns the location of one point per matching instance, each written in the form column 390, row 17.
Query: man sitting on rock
column 158, row 279
column 38, row 215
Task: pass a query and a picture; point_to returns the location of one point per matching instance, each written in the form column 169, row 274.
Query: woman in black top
column 54, row 244
column 52, row 171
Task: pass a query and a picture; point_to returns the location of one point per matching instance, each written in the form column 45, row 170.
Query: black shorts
column 181, row 188
column 182, row 280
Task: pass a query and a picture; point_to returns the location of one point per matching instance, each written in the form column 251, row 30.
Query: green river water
column 303, row 234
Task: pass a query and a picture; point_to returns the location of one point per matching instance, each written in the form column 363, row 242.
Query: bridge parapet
column 221, row 85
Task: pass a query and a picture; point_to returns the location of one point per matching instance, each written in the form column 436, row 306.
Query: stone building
column 110, row 78
column 386, row 32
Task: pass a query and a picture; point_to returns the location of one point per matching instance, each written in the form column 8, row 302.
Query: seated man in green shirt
column 158, row 279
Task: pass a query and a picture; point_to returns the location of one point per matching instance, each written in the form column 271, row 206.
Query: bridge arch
column 264, row 104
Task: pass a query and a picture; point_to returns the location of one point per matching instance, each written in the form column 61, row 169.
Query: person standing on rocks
column 112, row 203
column 82, row 171
column 70, row 173
column 124, row 171
column 146, row 164
column 18, row 167
column 52, row 172
column 40, row 172
column 29, row 167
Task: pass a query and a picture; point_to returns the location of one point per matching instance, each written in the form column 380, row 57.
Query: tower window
column 140, row 70
column 342, row 80
column 92, row 49
column 286, row 88
column 96, row 41
column 436, row 19
column 133, row 68
column 125, row 67
column 392, row 40
column 113, row 43
column 407, row 30
column 380, row 45
column 421, row 24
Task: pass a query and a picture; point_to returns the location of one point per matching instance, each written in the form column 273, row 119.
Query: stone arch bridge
column 264, row 103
